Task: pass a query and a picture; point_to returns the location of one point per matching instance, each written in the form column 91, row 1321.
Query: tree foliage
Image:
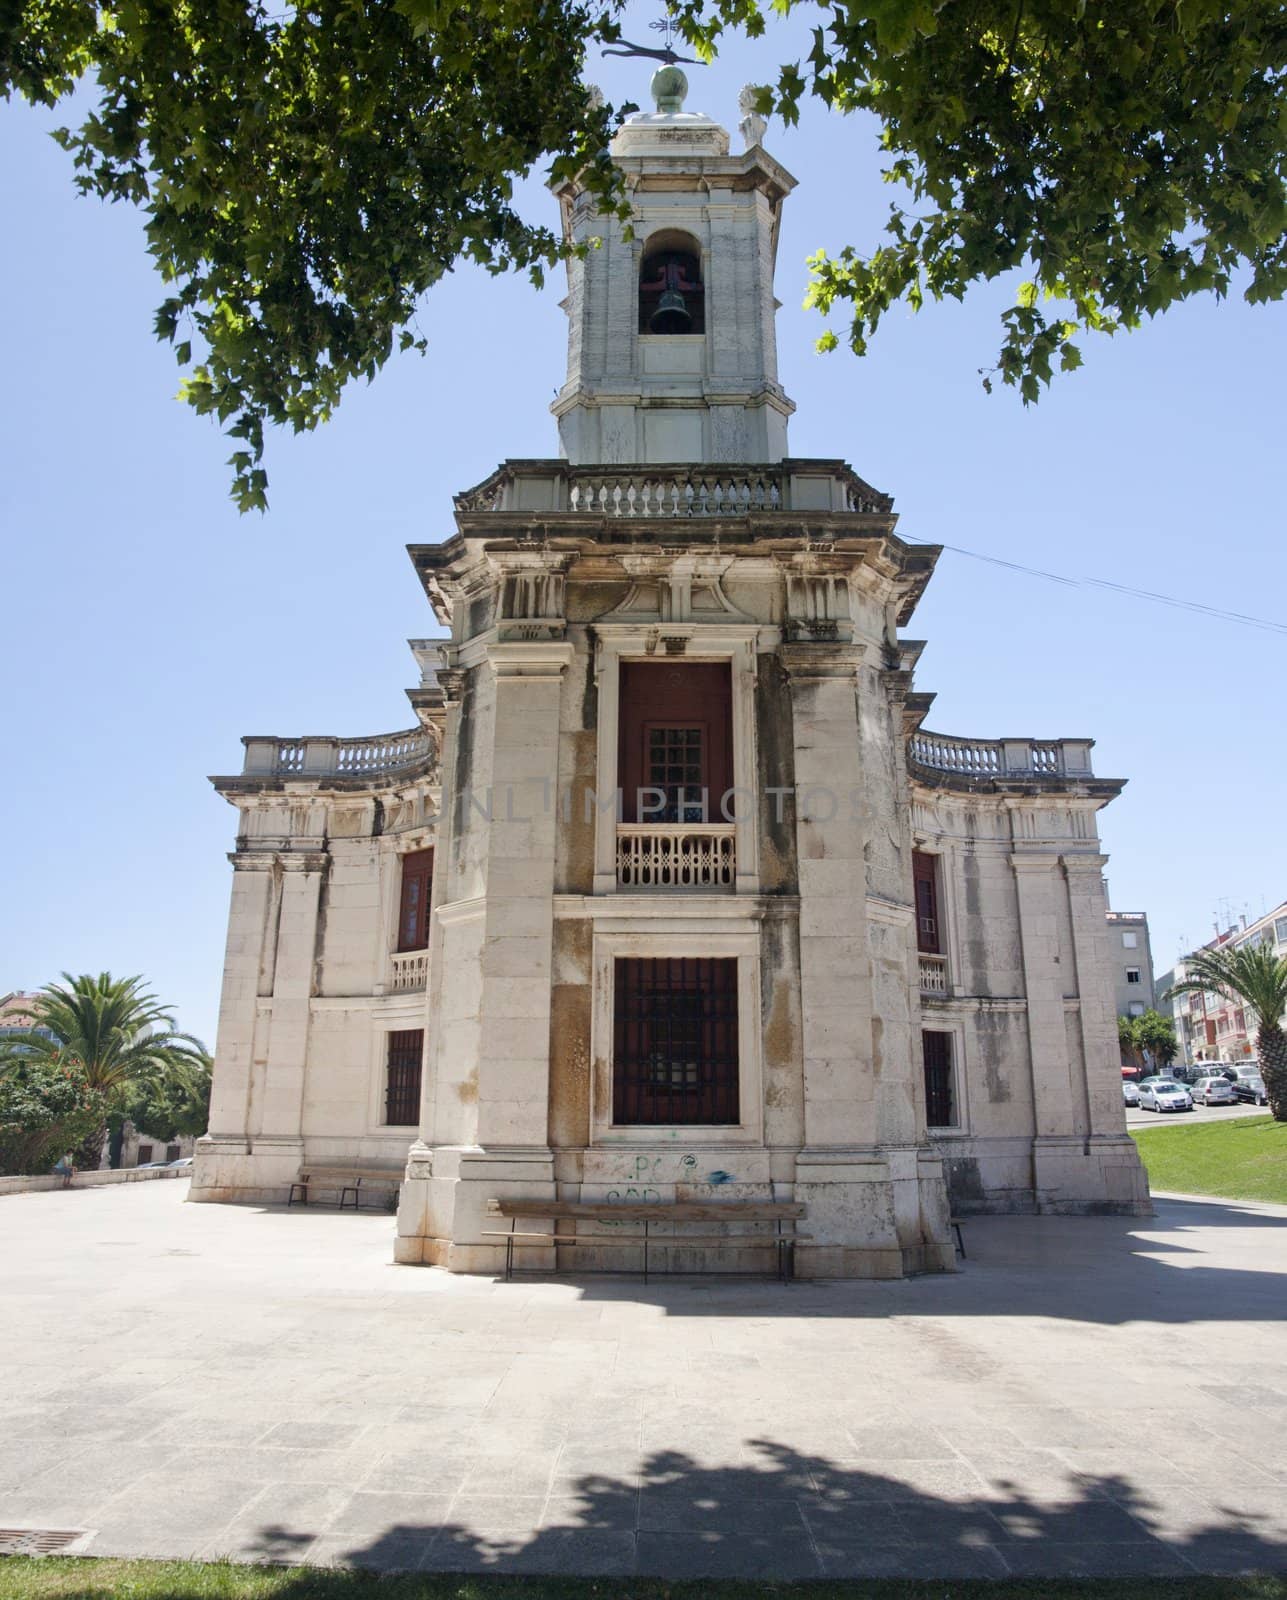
column 113, row 1033
column 308, row 172
column 1126, row 155
column 46, row 1109
column 1254, row 977
column 171, row 1107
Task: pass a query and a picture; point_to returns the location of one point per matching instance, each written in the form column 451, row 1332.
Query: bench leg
column 303, row 1195
column 960, row 1241
column 509, row 1254
column 645, row 1248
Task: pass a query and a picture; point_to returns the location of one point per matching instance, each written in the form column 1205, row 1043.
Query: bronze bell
column 671, row 315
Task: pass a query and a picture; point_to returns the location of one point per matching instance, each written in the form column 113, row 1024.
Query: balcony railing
column 676, row 857
column 410, row 971
column 688, row 494
column 272, row 757
column 674, row 490
column 1001, row 758
column 933, row 973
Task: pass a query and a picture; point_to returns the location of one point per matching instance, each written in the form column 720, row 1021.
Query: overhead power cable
column 1241, row 619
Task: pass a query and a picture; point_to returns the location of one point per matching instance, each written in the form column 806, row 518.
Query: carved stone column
column 488, row 1132
column 876, row 1208
column 280, row 1124
column 220, row 1161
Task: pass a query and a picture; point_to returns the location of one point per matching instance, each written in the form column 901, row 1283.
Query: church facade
column 669, row 894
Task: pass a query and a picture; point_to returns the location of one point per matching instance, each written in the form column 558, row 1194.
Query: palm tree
column 1250, row 976
column 116, row 1032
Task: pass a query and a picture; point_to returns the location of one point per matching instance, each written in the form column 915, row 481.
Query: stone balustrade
column 272, row 757
column 674, row 491
column 678, row 494
column 690, row 856
column 933, row 973
column 408, row 971
column 1000, row 758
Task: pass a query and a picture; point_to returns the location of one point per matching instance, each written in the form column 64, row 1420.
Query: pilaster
column 835, row 976
column 1036, row 886
column 1103, row 1090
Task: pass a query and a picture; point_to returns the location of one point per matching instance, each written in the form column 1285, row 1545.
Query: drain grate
column 37, row 1541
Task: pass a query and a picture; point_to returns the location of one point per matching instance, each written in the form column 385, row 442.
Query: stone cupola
column 693, row 379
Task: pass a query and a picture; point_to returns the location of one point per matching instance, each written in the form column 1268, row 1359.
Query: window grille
column 940, row 1097
column 402, row 1091
column 675, row 1047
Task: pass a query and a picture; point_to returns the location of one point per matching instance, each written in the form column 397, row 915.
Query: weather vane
column 666, row 27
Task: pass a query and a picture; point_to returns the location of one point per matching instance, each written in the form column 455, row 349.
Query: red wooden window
column 676, row 722
column 402, row 1081
column 675, row 1042
column 925, row 887
column 940, row 1098
column 413, row 907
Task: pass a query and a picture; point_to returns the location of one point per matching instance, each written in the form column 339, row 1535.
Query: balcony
column 668, row 856
column 933, row 971
column 409, row 971
column 272, row 757
column 666, row 492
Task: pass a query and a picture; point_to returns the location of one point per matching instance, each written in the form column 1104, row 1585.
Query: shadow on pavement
column 783, row 1514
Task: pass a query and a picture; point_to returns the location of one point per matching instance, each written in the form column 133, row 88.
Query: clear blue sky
column 147, row 626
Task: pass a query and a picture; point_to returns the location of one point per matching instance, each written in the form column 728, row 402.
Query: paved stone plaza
column 1087, row 1395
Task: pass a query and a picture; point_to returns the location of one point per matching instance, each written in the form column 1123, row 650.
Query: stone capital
column 533, row 660
column 819, row 662
column 1090, row 865
column 1034, row 861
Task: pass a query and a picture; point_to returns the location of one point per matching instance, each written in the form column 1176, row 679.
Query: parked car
column 1164, row 1094
column 183, row 1161
column 1214, row 1092
column 1249, row 1085
column 1130, row 1093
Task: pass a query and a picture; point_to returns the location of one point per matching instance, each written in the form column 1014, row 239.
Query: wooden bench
column 355, row 1181
column 782, row 1214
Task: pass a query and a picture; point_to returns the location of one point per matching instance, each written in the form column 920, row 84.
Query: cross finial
column 665, row 26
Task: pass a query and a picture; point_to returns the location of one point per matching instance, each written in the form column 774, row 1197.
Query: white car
column 1164, row 1094
column 1214, row 1092
column 1130, row 1093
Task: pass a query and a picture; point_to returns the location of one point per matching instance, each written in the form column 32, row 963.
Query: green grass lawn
column 1242, row 1159
column 67, row 1578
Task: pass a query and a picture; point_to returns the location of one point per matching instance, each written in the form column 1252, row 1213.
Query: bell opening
column 671, row 295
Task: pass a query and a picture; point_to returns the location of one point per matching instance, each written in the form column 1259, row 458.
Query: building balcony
column 933, row 974
column 323, row 757
column 697, row 856
column 408, row 971
column 668, row 491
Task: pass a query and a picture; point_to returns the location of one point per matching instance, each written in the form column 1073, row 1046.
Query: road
column 1135, row 1118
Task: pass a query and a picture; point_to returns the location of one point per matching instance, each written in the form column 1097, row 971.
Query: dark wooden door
column 925, row 885
column 413, row 905
column 676, row 734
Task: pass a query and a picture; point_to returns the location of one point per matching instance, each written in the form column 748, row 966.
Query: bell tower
column 672, row 351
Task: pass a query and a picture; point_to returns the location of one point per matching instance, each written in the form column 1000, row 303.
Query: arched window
column 671, row 296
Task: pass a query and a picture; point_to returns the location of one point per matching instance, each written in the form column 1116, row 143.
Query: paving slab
column 265, row 1385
